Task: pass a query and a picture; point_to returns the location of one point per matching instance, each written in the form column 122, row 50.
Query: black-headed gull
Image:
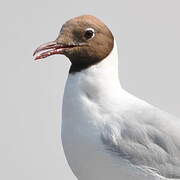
column 107, row 133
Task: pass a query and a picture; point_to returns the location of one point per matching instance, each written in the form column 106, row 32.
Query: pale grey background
column 148, row 36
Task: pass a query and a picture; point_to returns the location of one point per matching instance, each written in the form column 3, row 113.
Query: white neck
column 110, row 63
column 101, row 77
column 107, row 69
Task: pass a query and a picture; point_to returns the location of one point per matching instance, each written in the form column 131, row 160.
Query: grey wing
column 146, row 141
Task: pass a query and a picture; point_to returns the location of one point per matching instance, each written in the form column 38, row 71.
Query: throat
column 94, row 63
column 88, row 60
column 98, row 79
column 83, row 63
column 79, row 67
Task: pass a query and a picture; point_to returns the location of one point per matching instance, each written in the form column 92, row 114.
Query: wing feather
column 148, row 139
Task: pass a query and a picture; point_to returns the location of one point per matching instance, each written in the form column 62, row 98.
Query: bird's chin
column 51, row 48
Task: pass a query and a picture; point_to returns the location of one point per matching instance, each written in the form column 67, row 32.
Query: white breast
column 91, row 99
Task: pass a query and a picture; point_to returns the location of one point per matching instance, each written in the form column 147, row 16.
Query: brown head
column 85, row 40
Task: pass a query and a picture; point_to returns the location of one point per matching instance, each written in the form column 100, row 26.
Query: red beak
column 49, row 49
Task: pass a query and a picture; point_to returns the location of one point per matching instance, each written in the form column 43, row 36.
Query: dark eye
column 89, row 33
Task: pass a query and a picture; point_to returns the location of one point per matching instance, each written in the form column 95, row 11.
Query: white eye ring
column 89, row 33
column 91, row 29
